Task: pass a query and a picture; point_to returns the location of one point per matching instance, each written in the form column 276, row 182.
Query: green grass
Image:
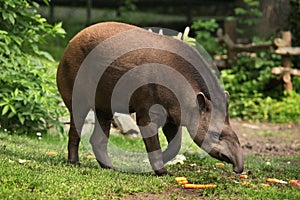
column 43, row 176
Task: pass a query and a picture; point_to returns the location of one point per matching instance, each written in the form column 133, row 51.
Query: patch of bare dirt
column 177, row 193
column 268, row 139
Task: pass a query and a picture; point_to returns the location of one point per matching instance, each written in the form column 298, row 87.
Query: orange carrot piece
column 265, row 185
column 181, row 178
column 272, row 180
column 199, row 186
column 182, row 182
column 275, row 180
column 244, row 176
column 295, row 182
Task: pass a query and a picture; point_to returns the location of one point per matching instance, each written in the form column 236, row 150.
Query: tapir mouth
column 237, row 167
column 236, row 161
column 223, row 157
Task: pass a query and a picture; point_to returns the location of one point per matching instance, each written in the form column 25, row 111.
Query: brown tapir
column 115, row 67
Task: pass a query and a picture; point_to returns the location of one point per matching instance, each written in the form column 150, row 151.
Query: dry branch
column 252, row 47
column 293, row 51
column 281, row 70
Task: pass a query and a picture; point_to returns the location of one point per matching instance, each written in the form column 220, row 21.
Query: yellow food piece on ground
column 199, row 186
column 244, row 183
column 51, row 153
column 180, row 179
column 90, row 156
column 220, row 164
column 265, row 185
column 182, row 182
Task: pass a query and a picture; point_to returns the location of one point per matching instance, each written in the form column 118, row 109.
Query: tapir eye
column 216, row 135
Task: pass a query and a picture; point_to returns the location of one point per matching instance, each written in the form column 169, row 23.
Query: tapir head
column 223, row 145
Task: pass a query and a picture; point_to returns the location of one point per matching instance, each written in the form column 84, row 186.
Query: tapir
column 116, row 67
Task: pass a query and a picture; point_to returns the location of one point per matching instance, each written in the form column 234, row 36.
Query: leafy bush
column 28, row 95
column 205, row 30
column 248, row 15
column 251, row 99
column 249, row 80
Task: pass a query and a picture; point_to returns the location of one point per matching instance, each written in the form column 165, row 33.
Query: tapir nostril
column 238, row 170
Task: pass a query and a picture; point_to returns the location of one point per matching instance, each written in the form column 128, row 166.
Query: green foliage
column 124, row 9
column 28, row 94
column 251, row 99
column 127, row 5
column 249, row 79
column 205, row 30
column 248, row 15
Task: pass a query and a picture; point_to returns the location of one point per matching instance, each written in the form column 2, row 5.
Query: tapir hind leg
column 99, row 139
column 74, row 136
column 173, row 134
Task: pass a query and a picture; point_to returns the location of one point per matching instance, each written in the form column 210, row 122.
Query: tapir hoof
column 161, row 172
column 74, row 162
column 105, row 166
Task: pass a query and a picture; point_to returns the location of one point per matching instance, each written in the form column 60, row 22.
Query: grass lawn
column 28, row 172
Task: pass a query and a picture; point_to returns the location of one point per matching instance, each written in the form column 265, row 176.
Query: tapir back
column 88, row 39
column 78, row 49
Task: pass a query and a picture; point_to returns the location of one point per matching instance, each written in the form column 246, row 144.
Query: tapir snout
column 228, row 149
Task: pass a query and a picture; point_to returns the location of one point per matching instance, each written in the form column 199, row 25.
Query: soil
column 178, row 193
column 263, row 139
column 268, row 139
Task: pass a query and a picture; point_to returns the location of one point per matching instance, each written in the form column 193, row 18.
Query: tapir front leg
column 150, row 136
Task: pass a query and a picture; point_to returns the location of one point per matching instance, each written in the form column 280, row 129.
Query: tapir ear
column 227, row 95
column 227, row 100
column 202, row 101
column 227, row 104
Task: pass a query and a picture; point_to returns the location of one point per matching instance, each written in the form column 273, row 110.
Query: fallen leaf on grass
column 90, row 156
column 21, row 161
